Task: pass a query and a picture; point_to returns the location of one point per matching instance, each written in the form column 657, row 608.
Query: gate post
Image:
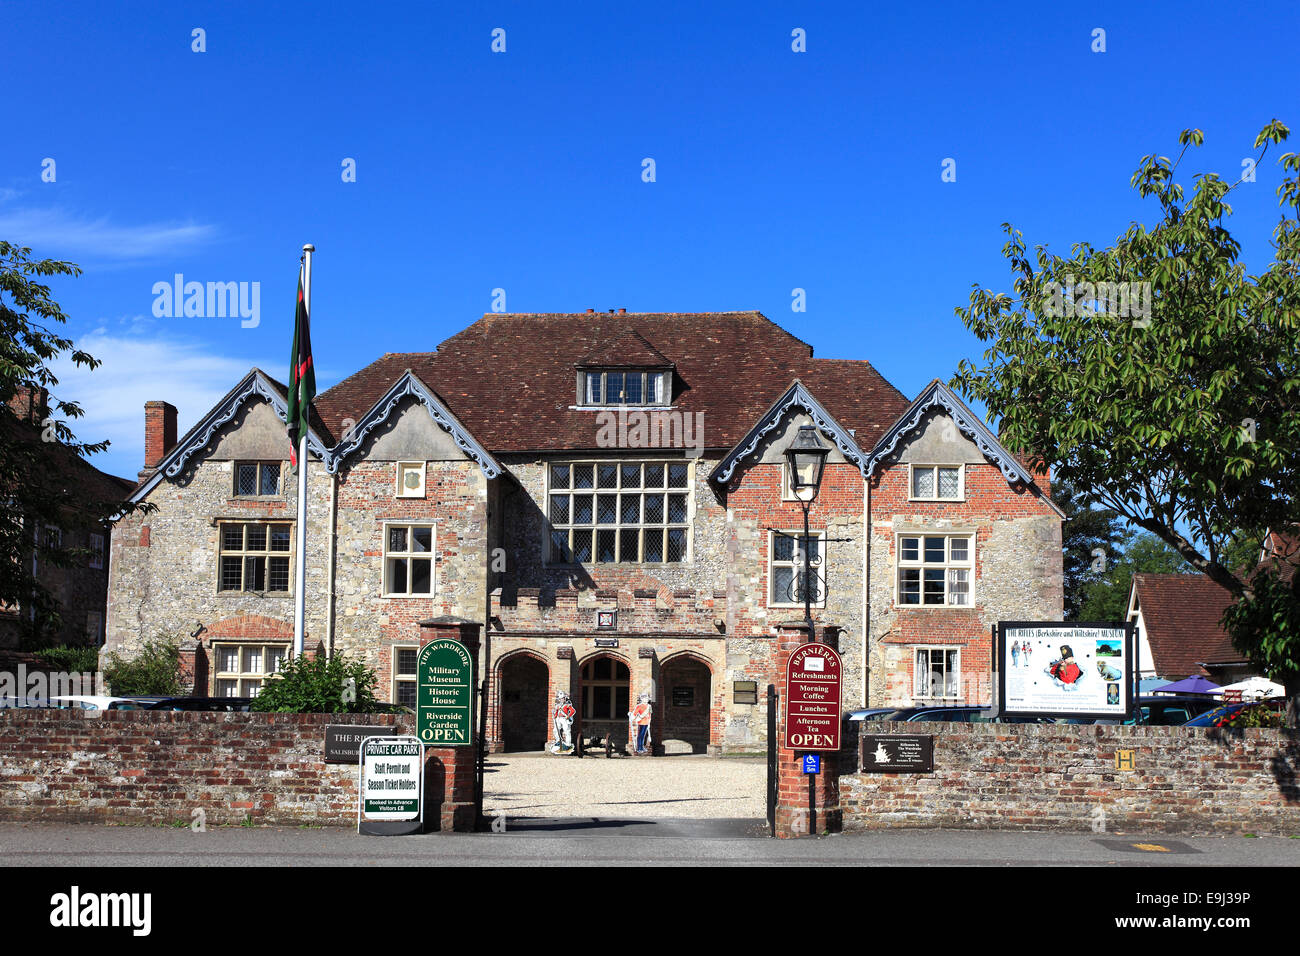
column 451, row 773
column 792, row 784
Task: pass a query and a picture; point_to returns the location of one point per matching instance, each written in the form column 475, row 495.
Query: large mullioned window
column 935, row 569
column 254, row 558
column 619, row 512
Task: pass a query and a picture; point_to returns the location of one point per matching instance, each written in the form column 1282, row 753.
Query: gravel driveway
column 543, row 785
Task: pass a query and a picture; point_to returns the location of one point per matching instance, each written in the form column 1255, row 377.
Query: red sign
column 568, row 711
column 812, row 699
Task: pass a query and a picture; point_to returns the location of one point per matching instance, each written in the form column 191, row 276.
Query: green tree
column 36, row 456
column 320, row 685
column 1106, row 598
column 155, row 670
column 1162, row 378
column 1091, row 538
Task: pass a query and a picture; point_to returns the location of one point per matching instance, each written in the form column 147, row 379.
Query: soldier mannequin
column 563, row 723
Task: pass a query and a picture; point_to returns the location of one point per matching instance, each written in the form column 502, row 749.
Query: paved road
column 614, row 841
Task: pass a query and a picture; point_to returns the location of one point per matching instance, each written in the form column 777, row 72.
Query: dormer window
column 624, row 387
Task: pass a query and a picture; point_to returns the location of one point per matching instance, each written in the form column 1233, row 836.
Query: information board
column 1062, row 669
column 812, row 713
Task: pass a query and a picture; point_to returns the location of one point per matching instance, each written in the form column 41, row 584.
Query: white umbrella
column 1257, row 687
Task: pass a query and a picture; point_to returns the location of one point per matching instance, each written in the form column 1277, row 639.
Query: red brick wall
column 1022, row 777
column 143, row 767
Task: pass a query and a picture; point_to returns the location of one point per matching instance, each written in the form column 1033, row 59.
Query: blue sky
column 521, row 170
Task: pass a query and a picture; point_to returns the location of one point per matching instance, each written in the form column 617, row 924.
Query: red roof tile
column 1181, row 613
column 511, row 377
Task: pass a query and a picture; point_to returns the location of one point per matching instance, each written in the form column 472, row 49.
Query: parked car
column 1222, row 715
column 1171, row 711
column 229, row 704
column 962, row 715
column 93, row 702
column 873, row 713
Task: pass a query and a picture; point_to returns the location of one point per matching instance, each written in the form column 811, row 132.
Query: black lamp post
column 806, row 455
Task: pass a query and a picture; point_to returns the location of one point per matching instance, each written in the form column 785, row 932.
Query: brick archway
column 522, row 718
column 685, row 717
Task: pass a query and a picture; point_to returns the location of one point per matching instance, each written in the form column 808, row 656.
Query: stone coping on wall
column 1103, row 778
column 642, row 608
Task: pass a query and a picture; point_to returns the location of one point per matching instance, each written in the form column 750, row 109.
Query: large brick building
column 607, row 493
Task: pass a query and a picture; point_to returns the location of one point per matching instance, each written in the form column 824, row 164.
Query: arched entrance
column 686, row 693
column 525, row 709
column 606, row 698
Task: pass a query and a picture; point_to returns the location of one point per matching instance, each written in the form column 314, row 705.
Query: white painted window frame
column 947, row 534
column 412, row 678
column 410, row 555
column 917, row 650
column 961, row 481
column 796, row 563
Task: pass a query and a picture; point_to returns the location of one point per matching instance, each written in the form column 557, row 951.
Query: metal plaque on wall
column 897, row 753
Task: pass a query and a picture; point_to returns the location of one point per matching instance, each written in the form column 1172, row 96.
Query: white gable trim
column 410, row 385
column 938, row 395
column 796, row 396
column 199, row 439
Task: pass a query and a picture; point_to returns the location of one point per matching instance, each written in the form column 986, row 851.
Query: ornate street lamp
column 806, row 456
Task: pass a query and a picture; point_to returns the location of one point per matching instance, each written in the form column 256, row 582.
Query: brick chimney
column 30, row 403
column 159, row 434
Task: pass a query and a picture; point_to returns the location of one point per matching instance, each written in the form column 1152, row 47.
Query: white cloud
column 136, row 370
column 55, row 233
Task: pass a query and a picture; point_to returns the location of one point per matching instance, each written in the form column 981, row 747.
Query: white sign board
column 1066, row 670
column 391, row 781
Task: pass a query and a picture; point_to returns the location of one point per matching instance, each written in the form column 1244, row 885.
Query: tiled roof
column 628, row 349
column 1282, row 551
column 510, row 377
column 1181, row 613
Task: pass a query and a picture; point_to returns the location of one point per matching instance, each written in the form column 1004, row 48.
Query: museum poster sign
column 812, row 708
column 1060, row 669
column 897, row 753
column 444, row 708
column 391, row 777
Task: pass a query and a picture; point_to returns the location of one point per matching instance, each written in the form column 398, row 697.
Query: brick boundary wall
column 140, row 767
column 1026, row 777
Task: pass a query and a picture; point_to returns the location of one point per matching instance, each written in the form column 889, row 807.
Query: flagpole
column 300, row 577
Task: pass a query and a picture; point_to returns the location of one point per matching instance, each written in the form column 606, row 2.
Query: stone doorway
column 525, row 704
column 686, row 693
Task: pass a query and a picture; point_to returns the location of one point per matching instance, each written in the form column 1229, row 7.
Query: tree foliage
column 1139, row 552
column 1090, row 540
column 1161, row 378
column 320, row 685
column 38, row 486
column 155, row 670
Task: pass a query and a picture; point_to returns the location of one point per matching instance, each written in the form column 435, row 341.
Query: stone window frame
column 409, row 556
column 242, row 677
column 567, row 528
column 928, row 649
column 614, row 683
column 269, row 553
column 797, row 563
column 96, row 561
column 585, row 399
column 262, row 466
column 934, row 469
column 901, row 564
column 403, row 677
column 95, row 627
column 403, row 468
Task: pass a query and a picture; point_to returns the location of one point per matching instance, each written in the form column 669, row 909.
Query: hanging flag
column 302, row 377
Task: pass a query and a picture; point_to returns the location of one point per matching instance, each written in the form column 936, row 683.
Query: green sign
column 444, row 711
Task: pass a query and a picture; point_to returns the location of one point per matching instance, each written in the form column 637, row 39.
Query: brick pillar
column 194, row 668
column 645, row 679
column 792, row 783
column 450, row 772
